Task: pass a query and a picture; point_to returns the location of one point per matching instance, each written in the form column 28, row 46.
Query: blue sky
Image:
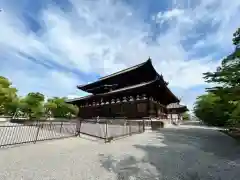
column 51, row 46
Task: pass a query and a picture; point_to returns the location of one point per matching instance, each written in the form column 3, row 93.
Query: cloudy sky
column 51, row 46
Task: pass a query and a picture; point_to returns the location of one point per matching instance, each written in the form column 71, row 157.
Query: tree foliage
column 186, row 116
column 221, row 106
column 33, row 105
column 8, row 97
column 227, row 75
column 57, row 107
column 210, row 108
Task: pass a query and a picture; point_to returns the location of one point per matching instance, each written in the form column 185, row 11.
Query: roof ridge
column 116, row 73
column 124, row 70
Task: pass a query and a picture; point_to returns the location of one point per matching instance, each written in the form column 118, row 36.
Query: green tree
column 49, row 107
column 227, row 75
column 12, row 107
column 57, row 107
column 72, row 110
column 186, row 116
column 8, row 97
column 236, row 38
column 227, row 80
column 32, row 105
column 235, row 115
column 211, row 110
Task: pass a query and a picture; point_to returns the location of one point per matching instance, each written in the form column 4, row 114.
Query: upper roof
column 137, row 74
column 125, row 70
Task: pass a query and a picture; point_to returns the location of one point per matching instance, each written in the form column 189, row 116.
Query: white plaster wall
column 61, row 119
column 174, row 116
column 3, row 119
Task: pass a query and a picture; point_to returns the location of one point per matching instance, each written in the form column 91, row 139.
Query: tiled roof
column 130, row 87
column 114, row 91
column 79, row 98
column 124, row 70
column 175, row 106
column 117, row 73
column 125, row 89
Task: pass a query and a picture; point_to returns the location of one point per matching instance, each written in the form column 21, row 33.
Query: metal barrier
column 32, row 131
column 13, row 134
column 109, row 129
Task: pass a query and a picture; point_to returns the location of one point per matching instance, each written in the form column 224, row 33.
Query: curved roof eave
column 146, row 63
column 174, row 96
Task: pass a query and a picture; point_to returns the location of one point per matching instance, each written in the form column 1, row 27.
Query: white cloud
column 223, row 13
column 188, row 96
column 162, row 17
column 51, row 83
column 102, row 37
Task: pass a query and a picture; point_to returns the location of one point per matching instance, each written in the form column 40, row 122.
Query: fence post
column 61, row 127
column 78, row 127
column 106, row 131
column 143, row 125
column 123, row 126
column 37, row 133
column 130, row 128
column 51, row 127
column 139, row 126
column 79, row 132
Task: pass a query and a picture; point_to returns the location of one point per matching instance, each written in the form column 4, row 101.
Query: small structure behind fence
column 21, row 132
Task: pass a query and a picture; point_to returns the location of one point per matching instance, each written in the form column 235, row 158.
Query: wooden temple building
column 134, row 93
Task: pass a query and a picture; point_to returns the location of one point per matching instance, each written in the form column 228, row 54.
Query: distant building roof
column 176, row 106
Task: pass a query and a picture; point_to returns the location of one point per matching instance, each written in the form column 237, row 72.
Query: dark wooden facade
column 136, row 92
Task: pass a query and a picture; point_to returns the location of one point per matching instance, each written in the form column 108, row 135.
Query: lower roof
column 122, row 90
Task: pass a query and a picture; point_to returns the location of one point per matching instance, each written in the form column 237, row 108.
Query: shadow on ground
column 180, row 154
column 205, row 140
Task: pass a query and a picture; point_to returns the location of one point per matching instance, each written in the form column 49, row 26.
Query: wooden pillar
column 79, row 110
column 148, row 108
column 178, row 118
column 151, row 109
column 135, row 109
column 156, row 110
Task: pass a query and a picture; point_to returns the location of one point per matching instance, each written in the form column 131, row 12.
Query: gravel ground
column 171, row 154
